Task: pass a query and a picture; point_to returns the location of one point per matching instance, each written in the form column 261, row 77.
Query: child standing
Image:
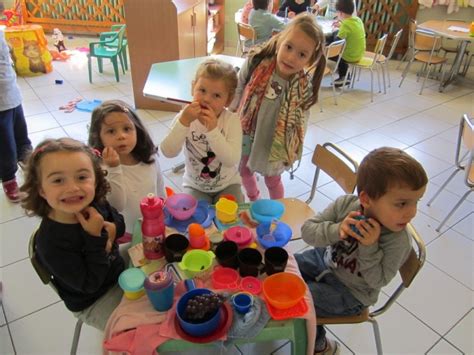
column 351, row 28
column 273, row 97
column 14, row 142
column 263, row 21
column 210, row 133
column 130, row 157
column 346, row 269
column 75, row 242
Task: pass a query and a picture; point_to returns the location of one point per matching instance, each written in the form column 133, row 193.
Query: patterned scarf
column 287, row 144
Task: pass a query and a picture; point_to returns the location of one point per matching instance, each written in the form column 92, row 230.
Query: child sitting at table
column 211, row 135
column 248, row 7
column 291, row 8
column 354, row 258
column 75, row 242
column 351, row 28
column 263, row 21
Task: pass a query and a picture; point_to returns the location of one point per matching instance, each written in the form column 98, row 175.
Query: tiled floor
column 433, row 316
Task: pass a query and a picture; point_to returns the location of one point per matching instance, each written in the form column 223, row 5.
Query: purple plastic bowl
column 181, row 206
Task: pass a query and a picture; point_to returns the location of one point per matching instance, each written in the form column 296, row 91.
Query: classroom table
column 171, row 81
column 295, row 329
column 457, row 30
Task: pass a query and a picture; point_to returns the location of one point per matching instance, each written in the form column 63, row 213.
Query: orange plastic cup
column 197, row 235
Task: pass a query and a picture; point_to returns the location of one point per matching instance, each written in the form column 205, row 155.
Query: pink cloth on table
column 135, row 327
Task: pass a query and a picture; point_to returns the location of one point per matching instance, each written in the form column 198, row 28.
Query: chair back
column 337, row 164
column 42, row 273
column 245, row 32
column 379, row 46
column 396, row 38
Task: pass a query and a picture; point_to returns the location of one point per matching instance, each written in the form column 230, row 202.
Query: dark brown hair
column 387, row 167
column 306, row 23
column 33, row 202
column 345, row 6
column 216, row 69
column 260, row 4
column 144, row 149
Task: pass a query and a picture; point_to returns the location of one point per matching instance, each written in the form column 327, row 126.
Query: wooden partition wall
column 387, row 16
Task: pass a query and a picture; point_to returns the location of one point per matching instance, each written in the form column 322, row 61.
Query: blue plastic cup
column 159, row 288
column 242, row 302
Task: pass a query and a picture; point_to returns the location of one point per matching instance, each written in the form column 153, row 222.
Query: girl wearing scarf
column 278, row 83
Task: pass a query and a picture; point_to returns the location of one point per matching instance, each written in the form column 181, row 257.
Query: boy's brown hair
column 260, row 4
column 216, row 69
column 387, row 167
column 345, row 6
column 33, row 203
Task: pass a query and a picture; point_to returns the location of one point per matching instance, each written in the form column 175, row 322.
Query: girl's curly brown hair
column 33, row 203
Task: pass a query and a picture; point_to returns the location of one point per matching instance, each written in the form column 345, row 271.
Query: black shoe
column 339, row 82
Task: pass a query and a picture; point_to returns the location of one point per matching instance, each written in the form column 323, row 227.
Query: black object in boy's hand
column 354, row 228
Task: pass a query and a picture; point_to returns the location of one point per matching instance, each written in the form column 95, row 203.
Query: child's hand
column 370, row 230
column 112, row 233
column 291, row 14
column 208, row 118
column 336, row 24
column 345, row 230
column 190, row 113
column 91, row 220
column 110, row 157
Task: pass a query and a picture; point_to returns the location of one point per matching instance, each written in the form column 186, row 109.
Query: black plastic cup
column 250, row 262
column 226, row 254
column 175, row 247
column 275, row 260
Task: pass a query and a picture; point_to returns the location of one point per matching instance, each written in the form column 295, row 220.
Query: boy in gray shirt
column 361, row 241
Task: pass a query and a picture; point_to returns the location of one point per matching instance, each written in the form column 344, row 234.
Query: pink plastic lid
column 251, row 284
column 242, row 236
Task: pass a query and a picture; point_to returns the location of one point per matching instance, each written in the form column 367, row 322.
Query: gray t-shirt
column 10, row 96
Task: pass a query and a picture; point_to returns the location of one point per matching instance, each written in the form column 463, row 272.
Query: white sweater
column 211, row 158
column 130, row 184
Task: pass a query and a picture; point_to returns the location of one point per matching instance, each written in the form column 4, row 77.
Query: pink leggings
column 273, row 183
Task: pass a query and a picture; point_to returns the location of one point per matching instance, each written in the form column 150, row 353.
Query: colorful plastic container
column 131, row 281
column 196, row 261
column 226, row 210
column 181, row 206
column 225, row 278
column 283, row 290
column 266, row 210
column 270, row 234
column 242, row 236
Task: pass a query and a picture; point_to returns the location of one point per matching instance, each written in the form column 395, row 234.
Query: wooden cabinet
column 160, row 31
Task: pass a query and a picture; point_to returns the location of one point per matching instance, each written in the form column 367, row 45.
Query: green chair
column 123, row 53
column 102, row 50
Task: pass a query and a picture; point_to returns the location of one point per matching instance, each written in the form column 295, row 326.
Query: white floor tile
column 41, row 122
column 6, row 346
column 461, row 335
column 453, row 254
column 14, row 238
column 465, row 226
column 443, row 348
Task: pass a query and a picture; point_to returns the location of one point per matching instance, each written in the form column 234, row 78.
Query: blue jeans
column 14, row 141
column 330, row 296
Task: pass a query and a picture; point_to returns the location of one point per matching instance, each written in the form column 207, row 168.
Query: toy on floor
column 58, row 39
column 61, row 56
column 71, row 105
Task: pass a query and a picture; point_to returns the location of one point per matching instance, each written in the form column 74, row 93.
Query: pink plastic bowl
column 181, row 206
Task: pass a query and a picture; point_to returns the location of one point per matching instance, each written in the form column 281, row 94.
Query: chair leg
column 124, row 56
column 75, row 339
column 371, row 86
column 89, row 66
column 453, row 210
column 378, row 341
column 405, row 72
column 378, row 80
column 443, row 186
column 121, row 62
column 116, row 71
column 426, row 77
column 388, row 72
column 99, row 63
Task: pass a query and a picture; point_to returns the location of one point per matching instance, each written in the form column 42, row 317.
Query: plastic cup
column 242, row 302
column 275, row 260
column 159, row 288
column 175, row 247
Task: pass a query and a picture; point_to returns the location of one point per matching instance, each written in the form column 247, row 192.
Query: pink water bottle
column 153, row 226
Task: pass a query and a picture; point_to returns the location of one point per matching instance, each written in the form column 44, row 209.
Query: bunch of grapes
column 201, row 308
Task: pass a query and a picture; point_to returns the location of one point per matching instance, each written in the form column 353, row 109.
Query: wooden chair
column 244, row 33
column 335, row 49
column 336, row 163
column 371, row 63
column 383, row 60
column 408, row 271
column 466, row 139
column 46, row 277
column 428, row 58
column 416, row 43
column 102, row 50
